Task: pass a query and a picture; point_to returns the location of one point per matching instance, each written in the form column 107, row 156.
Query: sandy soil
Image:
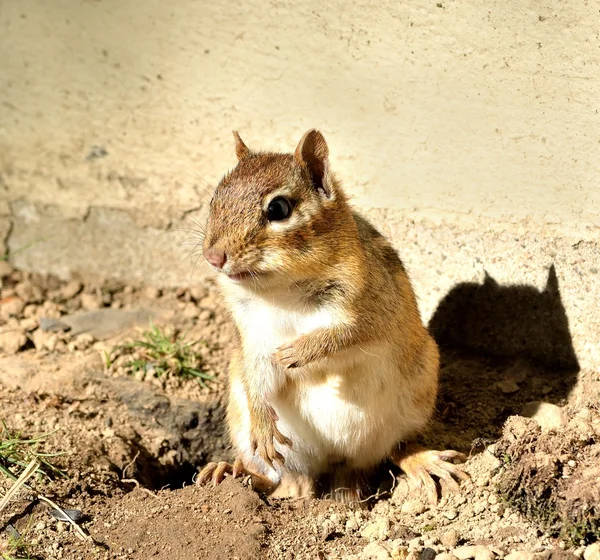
column 132, row 445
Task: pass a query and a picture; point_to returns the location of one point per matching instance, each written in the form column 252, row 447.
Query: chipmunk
column 334, row 372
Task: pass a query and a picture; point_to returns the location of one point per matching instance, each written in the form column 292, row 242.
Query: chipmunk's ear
column 552, row 288
column 241, row 150
column 489, row 281
column 312, row 152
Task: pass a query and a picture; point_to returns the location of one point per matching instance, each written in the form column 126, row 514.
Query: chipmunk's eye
column 279, row 209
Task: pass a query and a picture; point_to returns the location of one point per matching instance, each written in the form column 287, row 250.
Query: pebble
column 327, row 529
column 351, row 524
column 520, row 555
column 508, row 386
column 414, row 507
column 450, row 514
column 445, row 556
column 478, row 552
column 6, row 269
column 82, row 341
column 190, row 311
column 205, row 315
column 450, row 538
column 11, row 307
column 90, row 302
column 29, row 324
column 374, row 551
column 12, row 341
column 592, row 552
column 70, row 290
column 29, row 292
column 150, row 292
column 415, row 543
column 427, row 554
column 376, row 530
column 207, row 302
column 479, row 507
column 547, row 415
column 197, row 293
column 43, row 340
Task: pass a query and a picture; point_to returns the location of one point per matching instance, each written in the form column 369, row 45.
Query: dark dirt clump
column 553, row 476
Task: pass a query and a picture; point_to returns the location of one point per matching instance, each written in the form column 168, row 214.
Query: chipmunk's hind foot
column 421, row 465
column 216, row 473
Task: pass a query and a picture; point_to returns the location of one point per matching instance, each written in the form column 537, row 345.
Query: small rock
column 374, row 551
column 6, row 269
column 190, row 311
column 29, row 324
column 427, row 554
column 90, row 302
column 29, row 292
column 43, row 340
column 479, row 507
column 592, row 552
column 415, row 507
column 376, row 530
column 327, row 529
column 547, row 415
column 70, row 290
column 197, row 293
column 450, row 514
column 11, row 307
column 484, row 553
column 207, row 302
column 445, row 556
column 12, row 341
column 508, row 386
column 83, row 341
column 30, row 311
column 351, row 524
column 150, row 292
column 49, row 309
column 520, row 555
column 205, row 315
column 478, row 552
column 415, row 543
column 403, row 532
column 450, row 538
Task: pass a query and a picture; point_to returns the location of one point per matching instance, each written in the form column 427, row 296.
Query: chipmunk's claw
column 266, row 449
column 287, row 356
column 421, row 464
column 216, row 472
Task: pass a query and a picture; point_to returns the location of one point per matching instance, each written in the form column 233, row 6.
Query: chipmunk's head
column 276, row 217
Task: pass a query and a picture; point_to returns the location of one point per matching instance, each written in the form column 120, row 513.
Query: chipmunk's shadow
column 501, row 347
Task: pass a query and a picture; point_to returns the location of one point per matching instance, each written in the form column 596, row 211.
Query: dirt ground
column 133, row 443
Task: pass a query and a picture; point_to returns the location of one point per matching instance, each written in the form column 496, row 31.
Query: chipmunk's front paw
column 289, row 356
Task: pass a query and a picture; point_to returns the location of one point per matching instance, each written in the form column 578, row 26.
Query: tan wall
column 480, row 115
column 471, row 107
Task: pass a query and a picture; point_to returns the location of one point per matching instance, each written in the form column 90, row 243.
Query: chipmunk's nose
column 216, row 257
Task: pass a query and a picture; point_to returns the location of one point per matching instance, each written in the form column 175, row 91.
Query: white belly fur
column 352, row 407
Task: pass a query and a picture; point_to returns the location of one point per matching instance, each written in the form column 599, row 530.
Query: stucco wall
column 478, row 117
